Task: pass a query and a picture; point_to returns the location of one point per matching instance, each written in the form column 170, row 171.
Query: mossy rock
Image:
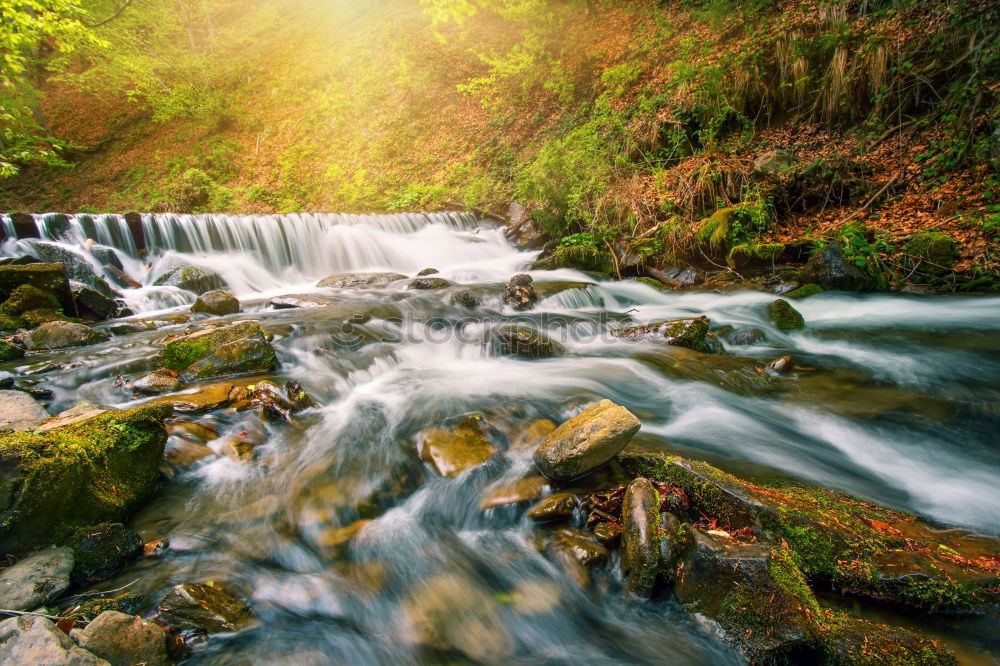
column 38, row 316
column 580, row 257
column 934, row 251
column 48, row 278
column 784, row 316
column 88, row 609
column 651, row 282
column 523, row 341
column 849, row 641
column 805, row 291
column 27, row 297
column 100, row 469
column 191, row 278
column 9, row 351
column 690, row 333
column 225, row 350
column 747, row 254
column 741, row 375
column 101, row 551
column 858, row 547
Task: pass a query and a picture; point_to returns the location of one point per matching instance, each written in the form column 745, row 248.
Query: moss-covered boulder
column 519, row 292
column 458, row 445
column 784, row 316
column 586, row 442
column 848, row 641
column 101, row 551
column 215, row 352
column 932, row 252
column 641, row 536
column 91, row 302
column 49, row 278
column 216, row 302
column 805, row 291
column 831, row 270
column 836, row 539
column 205, row 606
column 62, row 334
column 524, row 341
column 691, row 333
column 191, row 278
column 580, row 257
column 100, row 469
column 28, row 307
column 428, row 283
column 9, row 351
column 746, row 376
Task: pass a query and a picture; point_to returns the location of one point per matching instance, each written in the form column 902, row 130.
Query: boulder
column 50, row 278
column 27, row 307
column 195, row 279
column 225, row 350
column 36, row 580
column 207, row 399
column 355, row 280
column 19, row 411
column 931, row 252
column 641, row 536
column 524, row 341
column 521, row 228
column 851, row 642
column 204, row 606
column 805, row 291
column 557, row 506
column 676, row 277
column 756, row 594
column 99, row 469
column 586, row 442
column 159, row 381
column 91, row 302
column 690, row 333
column 784, row 316
column 121, row 278
column 76, row 265
column 519, row 292
column 428, row 271
column 428, row 283
column 830, row 270
column 62, row 334
column 576, row 552
column 781, row 365
column 217, row 302
column 101, row 551
column 579, row 257
column 124, row 640
column 465, row 298
column 80, row 412
column 775, row 161
column 296, row 301
column 31, row 639
column 746, row 336
column 456, row 446
column 745, row 376
column 518, row 492
column 9, row 351
column 130, row 327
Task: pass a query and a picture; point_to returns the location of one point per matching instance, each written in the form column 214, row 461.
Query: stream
column 895, row 399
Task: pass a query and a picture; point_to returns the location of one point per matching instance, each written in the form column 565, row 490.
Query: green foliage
column 734, row 226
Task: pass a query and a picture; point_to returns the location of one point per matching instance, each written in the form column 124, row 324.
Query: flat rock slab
column 36, row 580
column 36, row 640
column 19, row 411
column 78, row 414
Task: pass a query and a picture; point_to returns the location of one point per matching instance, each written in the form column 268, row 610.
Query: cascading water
column 896, row 399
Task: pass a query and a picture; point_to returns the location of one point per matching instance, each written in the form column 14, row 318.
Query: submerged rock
column 19, row 411
column 745, row 376
column 207, row 399
column 62, row 334
column 518, row 492
column 296, row 301
column 557, row 506
column 784, row 316
column 577, row 552
column 465, row 298
column 36, row 580
column 524, row 341
column 217, row 302
column 130, row 327
column 203, row 606
column 781, row 364
column 690, row 333
column 746, row 336
column 101, row 551
column 455, row 447
column 641, row 536
column 428, row 283
column 830, row 270
column 99, row 469
column 159, row 381
column 352, row 280
column 587, row 441
column 225, row 350
column 519, row 292
column 191, row 278
column 124, row 640
column 31, row 639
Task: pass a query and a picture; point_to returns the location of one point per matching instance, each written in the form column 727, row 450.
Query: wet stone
column 781, row 365
column 428, row 283
column 784, row 316
column 524, row 341
column 216, row 302
column 607, row 533
column 19, row 411
column 37, row 579
column 519, row 292
column 123, row 640
column 453, row 448
column 641, row 536
column 557, row 506
column 36, row 640
column 518, row 492
column 203, row 606
column 356, row 280
column 101, row 551
column 586, row 442
column 62, row 334
column 160, row 381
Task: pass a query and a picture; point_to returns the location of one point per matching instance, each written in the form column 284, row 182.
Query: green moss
column 9, row 351
column 784, row 316
column 748, row 253
column 849, row 641
column 88, row 609
column 580, row 257
column 655, row 284
column 38, row 316
column 26, row 297
column 805, row 291
column 63, row 479
column 180, row 354
column 934, row 251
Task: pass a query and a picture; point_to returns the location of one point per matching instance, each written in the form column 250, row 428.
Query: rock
column 522, row 490
column 195, row 279
column 519, row 292
column 91, row 302
column 293, row 301
column 521, row 228
column 607, row 533
column 690, row 333
column 19, row 411
column 450, row 613
column 428, row 271
column 79, row 413
column 18, row 261
column 746, row 336
column 858, row 546
column 756, row 594
column 225, row 350
column 121, row 278
column 745, row 376
column 27, row 307
column 805, row 291
column 240, row 450
column 587, row 441
column 36, row 580
column 641, row 536
column 37, row 641
column 101, row 551
column 50, row 278
column 465, row 298
column 674, row 538
column 91, row 607
column 124, row 640
column 932, row 252
column 650, row 282
column 534, row 434
column 851, row 642
column 159, row 381
column 557, row 506
column 130, row 327
column 457, row 446
column 9, row 351
column 579, row 257
column 297, row 396
column 676, row 278
column 577, row 552
column 784, row 316
column 217, row 302
column 62, row 334
column 781, row 365
column 775, row 161
column 428, row 283
column 353, row 280
column 203, row 606
column 524, row 341
column 830, row 270
column 100, row 469
column 208, row 399
column 75, row 264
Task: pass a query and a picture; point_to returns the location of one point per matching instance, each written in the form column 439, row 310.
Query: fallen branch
column 97, row 594
column 872, row 200
column 614, row 257
column 14, row 612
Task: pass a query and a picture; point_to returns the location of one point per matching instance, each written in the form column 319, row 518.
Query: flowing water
column 897, row 399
